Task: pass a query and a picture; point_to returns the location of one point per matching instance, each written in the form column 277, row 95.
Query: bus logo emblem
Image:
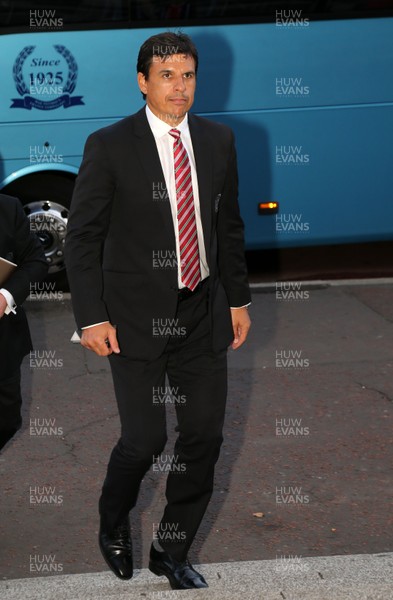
column 46, row 82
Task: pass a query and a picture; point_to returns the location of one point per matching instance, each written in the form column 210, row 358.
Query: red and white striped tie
column 188, row 238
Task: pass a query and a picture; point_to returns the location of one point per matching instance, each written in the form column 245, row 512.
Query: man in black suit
column 158, row 278
column 20, row 246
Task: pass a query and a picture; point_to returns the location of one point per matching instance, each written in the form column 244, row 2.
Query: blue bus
column 307, row 90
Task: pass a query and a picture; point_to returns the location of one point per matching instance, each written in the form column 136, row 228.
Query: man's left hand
column 241, row 323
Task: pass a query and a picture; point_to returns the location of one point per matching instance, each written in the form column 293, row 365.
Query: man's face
column 170, row 87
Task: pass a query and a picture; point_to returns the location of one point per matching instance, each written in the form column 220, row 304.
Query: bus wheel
column 49, row 221
column 46, row 198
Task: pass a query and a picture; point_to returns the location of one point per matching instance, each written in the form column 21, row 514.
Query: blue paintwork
column 344, row 124
column 22, row 172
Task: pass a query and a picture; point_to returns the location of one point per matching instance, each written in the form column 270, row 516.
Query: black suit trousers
column 10, row 407
column 197, row 379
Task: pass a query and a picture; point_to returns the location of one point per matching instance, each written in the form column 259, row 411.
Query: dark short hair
column 163, row 45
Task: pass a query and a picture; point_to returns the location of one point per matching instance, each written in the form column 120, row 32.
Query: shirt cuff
column 11, row 306
column 94, row 324
column 244, row 306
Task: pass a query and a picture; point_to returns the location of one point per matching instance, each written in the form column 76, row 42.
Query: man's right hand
column 101, row 339
column 3, row 305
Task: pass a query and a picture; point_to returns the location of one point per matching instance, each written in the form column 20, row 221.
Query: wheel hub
column 49, row 221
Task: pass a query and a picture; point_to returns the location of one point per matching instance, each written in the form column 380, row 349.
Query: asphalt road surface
column 305, row 469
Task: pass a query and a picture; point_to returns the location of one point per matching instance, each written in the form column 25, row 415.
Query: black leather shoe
column 116, row 548
column 181, row 575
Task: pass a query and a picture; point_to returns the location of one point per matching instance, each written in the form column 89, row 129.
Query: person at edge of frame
column 160, row 183
column 22, row 247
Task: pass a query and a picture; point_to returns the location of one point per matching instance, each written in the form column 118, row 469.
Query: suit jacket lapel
column 204, row 164
column 147, row 151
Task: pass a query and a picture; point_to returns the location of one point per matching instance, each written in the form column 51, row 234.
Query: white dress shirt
column 165, row 142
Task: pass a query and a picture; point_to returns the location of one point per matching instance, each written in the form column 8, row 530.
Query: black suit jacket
column 21, row 246
column 116, row 223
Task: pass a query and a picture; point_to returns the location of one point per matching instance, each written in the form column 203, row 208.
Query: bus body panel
column 320, row 91
column 327, row 192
